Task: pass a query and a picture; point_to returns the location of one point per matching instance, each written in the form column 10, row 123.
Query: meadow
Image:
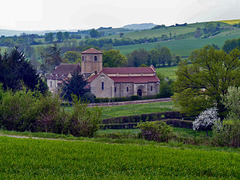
column 61, row 159
column 136, row 109
column 168, row 71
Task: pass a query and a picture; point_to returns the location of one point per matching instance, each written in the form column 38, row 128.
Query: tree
column 60, row 36
column 203, row 83
column 74, row 86
column 165, row 56
column 113, row 58
column 17, row 73
column 51, row 58
column 49, row 38
column 66, row 35
column 206, row 120
column 72, row 56
column 94, row 33
column 138, row 57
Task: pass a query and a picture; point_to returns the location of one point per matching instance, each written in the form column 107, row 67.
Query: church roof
column 136, row 80
column 129, row 70
column 63, row 70
column 91, row 51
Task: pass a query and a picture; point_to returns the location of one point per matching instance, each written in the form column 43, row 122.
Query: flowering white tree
column 206, row 120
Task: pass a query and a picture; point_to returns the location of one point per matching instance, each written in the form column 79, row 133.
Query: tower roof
column 91, row 51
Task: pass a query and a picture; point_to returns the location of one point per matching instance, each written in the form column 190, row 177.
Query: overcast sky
column 86, row 14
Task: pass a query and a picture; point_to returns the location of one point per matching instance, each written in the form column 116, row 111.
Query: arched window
column 102, row 85
column 95, row 58
column 127, row 89
column 82, row 58
column 115, row 89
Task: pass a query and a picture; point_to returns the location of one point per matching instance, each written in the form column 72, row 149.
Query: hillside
column 139, row 26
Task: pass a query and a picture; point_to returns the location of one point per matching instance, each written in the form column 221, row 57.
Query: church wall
column 123, row 89
column 102, row 90
column 153, row 88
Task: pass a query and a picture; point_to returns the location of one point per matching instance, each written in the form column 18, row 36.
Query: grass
column 51, row 159
column 168, row 71
column 136, row 109
column 186, row 46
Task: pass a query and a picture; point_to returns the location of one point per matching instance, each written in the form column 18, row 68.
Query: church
column 106, row 82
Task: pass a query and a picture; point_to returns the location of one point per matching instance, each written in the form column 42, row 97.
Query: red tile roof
column 137, row 79
column 128, row 70
column 91, row 51
column 63, row 70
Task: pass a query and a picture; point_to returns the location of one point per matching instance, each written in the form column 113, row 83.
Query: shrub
column 157, row 131
column 83, row 121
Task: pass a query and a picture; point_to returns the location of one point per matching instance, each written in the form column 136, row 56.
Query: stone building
column 109, row 82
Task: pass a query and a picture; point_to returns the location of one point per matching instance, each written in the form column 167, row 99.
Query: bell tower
column 91, row 61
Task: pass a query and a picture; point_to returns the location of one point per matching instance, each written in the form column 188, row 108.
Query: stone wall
column 102, row 86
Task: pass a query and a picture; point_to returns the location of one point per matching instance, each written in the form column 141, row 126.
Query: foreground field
column 57, row 159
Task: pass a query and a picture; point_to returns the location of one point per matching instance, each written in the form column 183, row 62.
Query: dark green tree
column 66, row 35
column 59, row 36
column 94, row 33
column 75, row 86
column 203, row 83
column 51, row 58
column 138, row 57
column 165, row 56
column 16, row 73
column 49, row 38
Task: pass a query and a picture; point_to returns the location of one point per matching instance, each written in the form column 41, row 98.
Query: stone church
column 107, row 82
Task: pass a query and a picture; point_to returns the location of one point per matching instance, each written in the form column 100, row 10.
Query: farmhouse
column 108, row 82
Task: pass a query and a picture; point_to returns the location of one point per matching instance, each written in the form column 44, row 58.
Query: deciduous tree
column 203, row 83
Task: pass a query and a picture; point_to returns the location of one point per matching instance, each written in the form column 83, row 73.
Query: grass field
column 186, row 46
column 136, row 109
column 58, row 159
column 168, row 71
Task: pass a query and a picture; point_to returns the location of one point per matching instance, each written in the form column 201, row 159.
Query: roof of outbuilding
column 91, row 51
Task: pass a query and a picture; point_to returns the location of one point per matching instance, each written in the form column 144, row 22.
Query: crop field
column 135, row 109
column 231, row 22
column 183, row 47
column 58, row 159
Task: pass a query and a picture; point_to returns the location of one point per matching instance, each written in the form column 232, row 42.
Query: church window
column 82, row 58
column 95, row 58
column 127, row 89
column 115, row 89
column 95, row 72
column 151, row 88
column 102, row 85
column 50, row 83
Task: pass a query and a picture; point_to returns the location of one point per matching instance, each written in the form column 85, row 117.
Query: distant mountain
column 6, row 32
column 140, row 26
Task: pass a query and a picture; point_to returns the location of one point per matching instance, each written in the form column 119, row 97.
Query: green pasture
column 136, row 109
column 168, row 71
column 61, row 159
column 186, row 46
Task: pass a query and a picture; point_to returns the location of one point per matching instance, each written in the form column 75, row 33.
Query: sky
column 87, row 14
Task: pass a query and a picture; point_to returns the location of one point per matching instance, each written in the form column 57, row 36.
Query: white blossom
column 206, row 119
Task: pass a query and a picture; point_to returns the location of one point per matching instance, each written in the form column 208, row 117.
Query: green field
column 168, row 71
column 136, row 109
column 58, row 159
column 186, row 46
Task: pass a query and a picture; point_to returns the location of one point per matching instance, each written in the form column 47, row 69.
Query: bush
column 31, row 111
column 157, row 131
column 83, row 121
